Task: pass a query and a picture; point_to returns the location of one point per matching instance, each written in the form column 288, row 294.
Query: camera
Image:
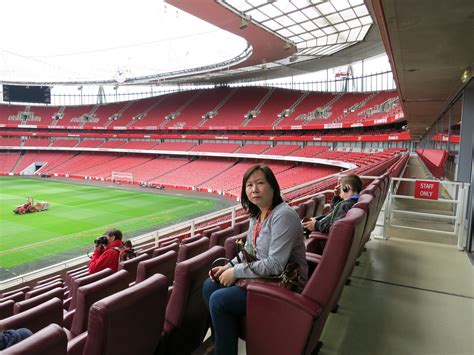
column 101, row 240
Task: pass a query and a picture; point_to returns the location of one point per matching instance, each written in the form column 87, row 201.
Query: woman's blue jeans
column 226, row 306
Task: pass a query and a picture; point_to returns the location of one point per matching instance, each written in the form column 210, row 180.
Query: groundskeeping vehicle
column 31, row 207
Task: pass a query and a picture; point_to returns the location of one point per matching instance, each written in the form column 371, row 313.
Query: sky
column 68, row 40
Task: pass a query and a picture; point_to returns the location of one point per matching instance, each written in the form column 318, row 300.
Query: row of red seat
column 434, row 159
column 189, row 107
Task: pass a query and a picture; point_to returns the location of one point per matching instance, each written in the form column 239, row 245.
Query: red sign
column 427, row 189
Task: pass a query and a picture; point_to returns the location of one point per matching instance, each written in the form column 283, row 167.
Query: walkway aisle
column 406, row 297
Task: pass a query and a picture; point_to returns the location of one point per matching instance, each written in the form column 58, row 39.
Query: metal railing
column 454, row 193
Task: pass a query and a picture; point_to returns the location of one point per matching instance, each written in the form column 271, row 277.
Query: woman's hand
column 227, row 277
column 310, row 224
column 215, row 272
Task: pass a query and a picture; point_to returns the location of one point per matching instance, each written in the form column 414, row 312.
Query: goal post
column 122, row 177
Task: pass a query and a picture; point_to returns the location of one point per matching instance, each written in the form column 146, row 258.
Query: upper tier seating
column 7, row 111
column 45, row 114
column 10, row 142
column 233, row 111
column 216, row 147
column 8, row 161
column 253, row 148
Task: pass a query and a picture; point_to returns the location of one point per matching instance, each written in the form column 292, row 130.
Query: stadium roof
column 430, row 47
column 96, row 42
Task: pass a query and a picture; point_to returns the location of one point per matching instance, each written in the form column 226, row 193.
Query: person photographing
column 107, row 251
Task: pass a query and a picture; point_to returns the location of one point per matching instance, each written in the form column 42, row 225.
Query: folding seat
column 16, row 297
column 207, row 232
column 148, row 250
column 31, row 302
column 76, row 320
column 23, row 289
column 229, row 245
column 37, row 317
column 164, row 264
column 51, row 340
column 49, row 280
column 310, row 207
column 219, row 237
column 241, row 226
column 300, row 210
column 131, row 266
column 38, row 291
column 168, row 241
column 6, row 309
column 71, row 273
column 162, row 250
column 320, row 201
column 127, row 322
column 187, row 251
column 191, row 239
column 294, row 322
column 84, row 280
column 187, row 318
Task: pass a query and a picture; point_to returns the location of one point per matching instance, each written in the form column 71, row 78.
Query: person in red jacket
column 107, row 256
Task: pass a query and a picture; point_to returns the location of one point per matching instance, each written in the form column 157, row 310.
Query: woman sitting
column 275, row 237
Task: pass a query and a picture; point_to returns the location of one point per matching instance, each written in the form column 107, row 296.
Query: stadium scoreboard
column 29, row 94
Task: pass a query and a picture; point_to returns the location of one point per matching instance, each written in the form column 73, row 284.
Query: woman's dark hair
column 114, row 233
column 252, row 209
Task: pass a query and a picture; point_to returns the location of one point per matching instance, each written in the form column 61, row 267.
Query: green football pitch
column 78, row 214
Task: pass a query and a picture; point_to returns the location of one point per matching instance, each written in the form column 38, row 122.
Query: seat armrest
column 76, row 345
column 318, row 235
column 276, row 295
column 68, row 317
column 67, row 303
column 280, row 308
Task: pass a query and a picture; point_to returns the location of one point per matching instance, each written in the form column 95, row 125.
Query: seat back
column 300, row 210
column 207, row 232
column 15, row 297
column 39, row 290
column 164, row 264
column 51, row 340
column 162, row 250
column 34, row 301
column 191, row 239
column 23, row 289
column 310, row 208
column 241, row 226
column 131, row 266
column 187, row 251
column 36, row 318
column 219, row 237
column 323, row 285
column 85, row 280
column 229, row 245
column 320, row 201
column 186, row 313
column 129, row 321
column 369, row 204
column 89, row 294
column 6, row 309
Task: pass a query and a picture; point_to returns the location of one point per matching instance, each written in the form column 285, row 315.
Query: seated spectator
column 346, row 194
column 107, row 255
column 275, row 237
column 12, row 336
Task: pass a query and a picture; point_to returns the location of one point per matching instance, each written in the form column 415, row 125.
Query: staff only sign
column 427, row 189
